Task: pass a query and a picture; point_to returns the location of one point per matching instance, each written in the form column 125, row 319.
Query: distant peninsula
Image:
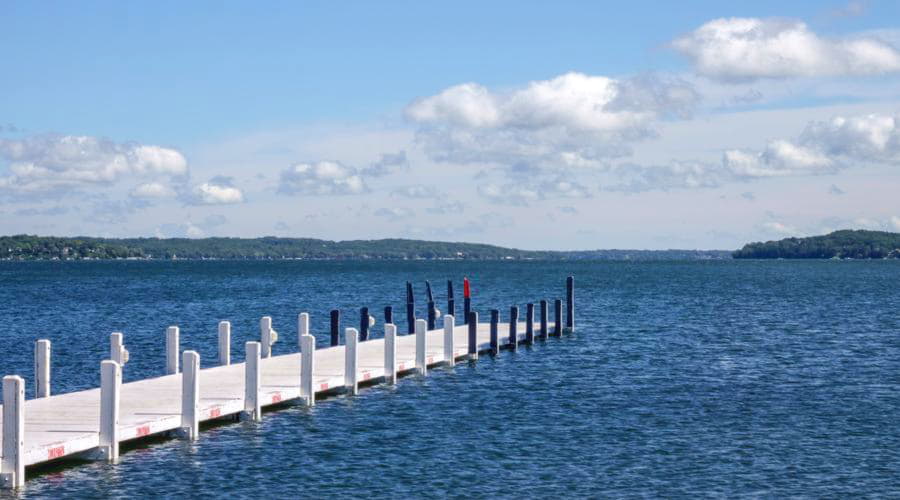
column 28, row 247
column 845, row 244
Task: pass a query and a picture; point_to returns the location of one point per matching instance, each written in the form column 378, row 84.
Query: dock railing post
column 570, row 304
column 472, row 323
column 495, row 334
column 307, row 368
column 421, row 329
column 117, row 351
column 224, row 343
column 351, row 360
column 302, row 329
column 335, row 327
column 12, row 463
column 410, row 309
column 172, row 349
column 364, row 324
column 544, row 313
column 449, row 352
column 390, row 353
column 252, row 408
column 557, row 318
column 451, row 300
column 42, row 368
column 190, row 395
column 529, row 323
column 388, row 315
column 514, row 328
column 267, row 335
column 110, row 398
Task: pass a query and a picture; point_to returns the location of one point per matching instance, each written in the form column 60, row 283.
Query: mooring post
column 172, row 350
column 449, row 354
column 351, row 360
column 364, row 324
column 529, row 323
column 410, row 309
column 495, row 335
column 467, row 300
column 421, row 364
column 432, row 310
column 302, row 329
column 42, row 368
column 557, row 317
column 388, row 315
column 335, row 327
column 514, row 328
column 190, row 395
column 117, row 351
column 451, row 301
column 307, row 368
column 224, row 343
column 267, row 335
column 252, row 408
column 110, row 398
column 12, row 463
column 544, row 319
column 472, row 323
column 390, row 353
column 570, row 304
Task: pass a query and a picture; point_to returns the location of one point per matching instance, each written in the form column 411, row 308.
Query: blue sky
column 349, row 120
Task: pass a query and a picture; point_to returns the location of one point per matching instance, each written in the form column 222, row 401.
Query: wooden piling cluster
column 186, row 395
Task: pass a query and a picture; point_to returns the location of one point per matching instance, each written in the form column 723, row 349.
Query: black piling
column 514, row 328
column 364, row 324
column 472, row 322
column 543, row 319
column 529, row 323
column 557, row 317
column 432, row 310
column 570, row 303
column 495, row 336
column 335, row 327
column 467, row 299
column 410, row 310
column 388, row 315
column 451, row 302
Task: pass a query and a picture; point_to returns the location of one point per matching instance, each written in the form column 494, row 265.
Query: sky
column 538, row 125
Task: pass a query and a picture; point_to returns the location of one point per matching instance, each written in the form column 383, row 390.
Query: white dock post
column 351, row 360
column 190, row 395
column 302, row 329
column 390, row 353
column 252, row 409
column 224, row 343
column 307, row 367
column 42, row 368
column 172, row 349
column 12, row 464
column 449, row 325
column 117, row 351
column 421, row 365
column 267, row 336
column 110, row 397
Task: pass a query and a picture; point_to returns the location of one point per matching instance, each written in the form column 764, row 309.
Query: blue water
column 682, row 379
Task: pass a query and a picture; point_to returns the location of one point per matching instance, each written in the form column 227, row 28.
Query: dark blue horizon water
column 683, row 379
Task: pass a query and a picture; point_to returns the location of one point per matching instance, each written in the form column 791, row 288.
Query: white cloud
column 50, row 162
column 573, row 120
column 779, row 228
column 321, row 178
column 218, row 191
column 750, row 48
column 395, row 213
column 525, row 193
column 150, row 190
column 416, row 191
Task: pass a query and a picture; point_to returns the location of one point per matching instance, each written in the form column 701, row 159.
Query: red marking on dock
column 56, row 452
column 367, row 375
column 323, row 387
column 215, row 413
column 401, row 367
column 430, row 359
column 276, row 398
column 142, row 431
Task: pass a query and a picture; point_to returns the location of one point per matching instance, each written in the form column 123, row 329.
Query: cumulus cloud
column 735, row 49
column 51, row 162
column 321, row 178
column 573, row 120
column 416, row 191
column 387, row 164
column 779, row 228
column 219, row 190
column 152, row 190
column 525, row 193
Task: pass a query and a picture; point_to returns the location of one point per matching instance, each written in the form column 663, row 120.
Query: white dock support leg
column 449, row 354
column 42, row 368
column 307, row 367
column 110, row 396
column 265, row 336
column 12, row 466
column 390, row 353
column 351, row 360
column 190, row 395
column 224, row 343
column 252, row 409
column 117, row 351
column 172, row 349
column 421, row 365
column 302, row 328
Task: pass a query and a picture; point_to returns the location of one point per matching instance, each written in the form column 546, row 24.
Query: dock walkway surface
column 69, row 424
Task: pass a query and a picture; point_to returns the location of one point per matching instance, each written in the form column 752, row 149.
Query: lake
column 682, row 379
